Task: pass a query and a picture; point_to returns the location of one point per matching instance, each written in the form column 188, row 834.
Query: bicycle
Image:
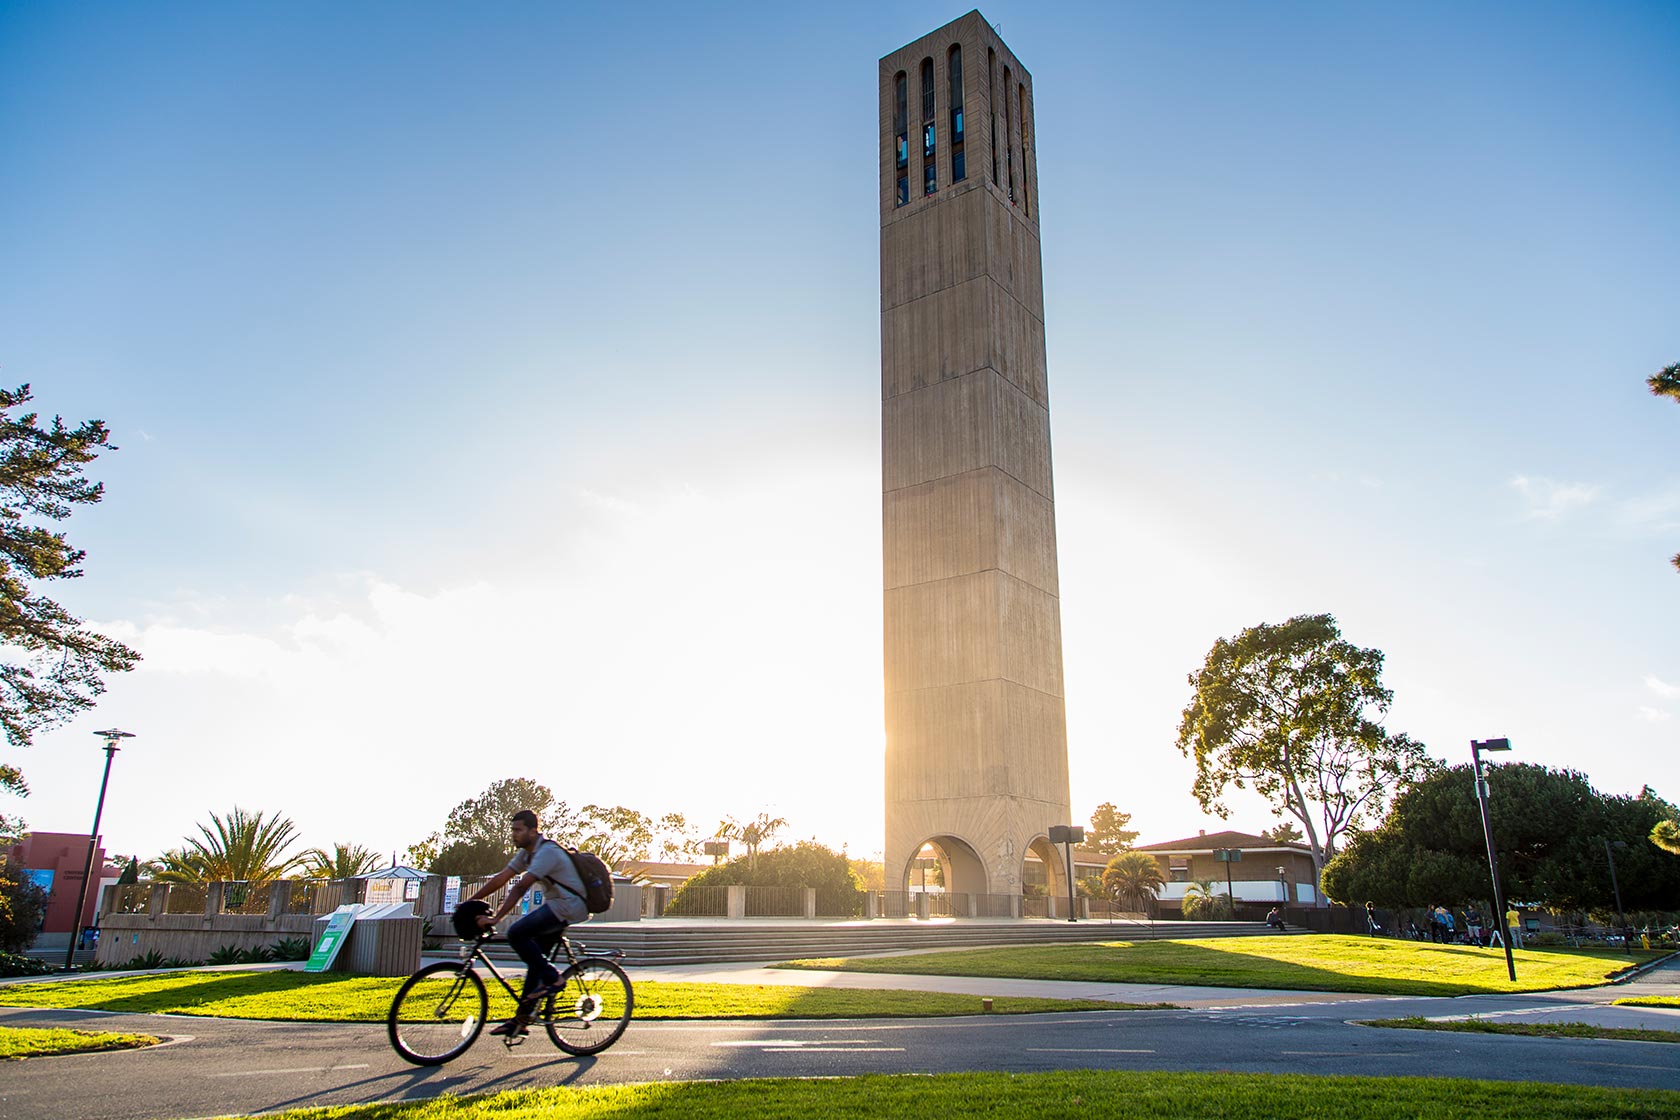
column 440, row 1011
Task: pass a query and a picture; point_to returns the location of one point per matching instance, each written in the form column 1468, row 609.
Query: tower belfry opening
column 976, row 730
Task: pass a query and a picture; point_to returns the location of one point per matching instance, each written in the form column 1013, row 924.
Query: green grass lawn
column 1042, row 1096
column 38, row 1042
column 1649, row 1001
column 335, row 998
column 1533, row 1030
column 1329, row 963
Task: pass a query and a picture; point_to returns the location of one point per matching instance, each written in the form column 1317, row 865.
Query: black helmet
column 466, row 918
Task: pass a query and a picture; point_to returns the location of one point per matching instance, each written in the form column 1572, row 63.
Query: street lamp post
column 1068, row 834
column 1283, row 887
column 1476, row 749
column 1621, row 919
column 111, row 737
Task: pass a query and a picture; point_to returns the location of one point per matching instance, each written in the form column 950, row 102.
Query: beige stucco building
column 976, row 733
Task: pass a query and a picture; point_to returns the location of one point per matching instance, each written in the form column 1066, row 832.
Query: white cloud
column 1653, row 715
column 1546, row 500
column 1662, row 688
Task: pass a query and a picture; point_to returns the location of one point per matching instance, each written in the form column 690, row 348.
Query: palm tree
column 345, row 861
column 753, row 834
column 243, row 847
column 1130, row 877
column 1201, row 902
column 1666, row 835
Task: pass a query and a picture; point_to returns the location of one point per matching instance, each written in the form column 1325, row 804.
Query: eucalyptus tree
column 1295, row 712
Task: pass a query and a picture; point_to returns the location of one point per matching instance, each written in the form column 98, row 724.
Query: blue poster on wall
column 42, row 878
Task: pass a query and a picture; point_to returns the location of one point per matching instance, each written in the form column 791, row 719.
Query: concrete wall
column 976, row 729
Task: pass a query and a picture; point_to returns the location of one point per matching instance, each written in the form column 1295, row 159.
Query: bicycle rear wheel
column 438, row 1013
column 591, row 1011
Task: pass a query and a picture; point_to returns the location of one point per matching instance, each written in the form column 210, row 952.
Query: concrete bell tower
column 976, row 730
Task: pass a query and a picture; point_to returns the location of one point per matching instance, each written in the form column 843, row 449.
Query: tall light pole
column 111, row 738
column 1476, row 749
column 1621, row 919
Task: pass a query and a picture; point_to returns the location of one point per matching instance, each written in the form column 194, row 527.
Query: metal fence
column 184, row 898
column 699, row 902
column 132, row 898
column 246, row 898
column 315, row 896
column 842, row 903
column 775, row 902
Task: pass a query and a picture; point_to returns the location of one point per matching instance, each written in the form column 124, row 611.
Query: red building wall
column 64, row 854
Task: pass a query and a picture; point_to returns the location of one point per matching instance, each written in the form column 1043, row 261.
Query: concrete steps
column 678, row 941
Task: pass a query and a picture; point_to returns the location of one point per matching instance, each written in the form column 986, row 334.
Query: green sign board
column 1228, row 855
column 338, row 928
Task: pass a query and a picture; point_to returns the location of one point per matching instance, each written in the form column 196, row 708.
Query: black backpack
column 597, row 879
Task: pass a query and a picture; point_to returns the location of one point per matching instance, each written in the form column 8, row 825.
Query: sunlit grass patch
column 1331, row 963
column 1649, row 1001
column 40, row 1042
column 1533, row 1030
column 290, row 995
column 1043, row 1096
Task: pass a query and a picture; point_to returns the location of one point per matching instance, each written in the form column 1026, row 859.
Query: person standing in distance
column 536, row 860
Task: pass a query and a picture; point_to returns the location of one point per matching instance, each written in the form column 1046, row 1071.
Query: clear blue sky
column 498, row 387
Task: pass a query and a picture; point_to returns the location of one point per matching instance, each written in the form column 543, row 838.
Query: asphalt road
column 219, row 1066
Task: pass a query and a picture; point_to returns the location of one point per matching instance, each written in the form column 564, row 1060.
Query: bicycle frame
column 475, row 953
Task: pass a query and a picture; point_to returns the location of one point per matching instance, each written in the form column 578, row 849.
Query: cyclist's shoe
column 535, row 996
column 516, row 1027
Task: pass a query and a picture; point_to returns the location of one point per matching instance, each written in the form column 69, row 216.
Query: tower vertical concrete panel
column 976, row 729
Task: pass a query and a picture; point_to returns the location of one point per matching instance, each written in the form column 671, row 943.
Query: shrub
column 1207, row 908
column 259, row 954
column 226, row 954
column 22, row 904
column 805, row 864
column 290, row 949
column 16, row 964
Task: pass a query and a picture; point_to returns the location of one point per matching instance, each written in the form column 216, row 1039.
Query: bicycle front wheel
column 591, row 1011
column 438, row 1013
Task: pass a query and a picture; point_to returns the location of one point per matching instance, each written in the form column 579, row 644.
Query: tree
column 1285, row 833
column 424, row 853
column 616, row 834
column 754, row 834
column 56, row 671
column 1108, row 833
column 871, row 872
column 22, row 905
column 243, row 847
column 676, row 840
column 1666, row 383
column 1665, row 834
column 1133, row 878
column 345, row 861
column 475, row 835
column 130, row 872
column 1294, row 711
column 1551, row 827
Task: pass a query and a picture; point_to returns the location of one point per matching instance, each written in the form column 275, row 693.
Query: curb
column 1639, row 970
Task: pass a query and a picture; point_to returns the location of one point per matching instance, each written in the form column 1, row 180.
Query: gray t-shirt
column 553, row 867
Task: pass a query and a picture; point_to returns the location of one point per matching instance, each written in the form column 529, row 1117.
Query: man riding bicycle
column 537, row 860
